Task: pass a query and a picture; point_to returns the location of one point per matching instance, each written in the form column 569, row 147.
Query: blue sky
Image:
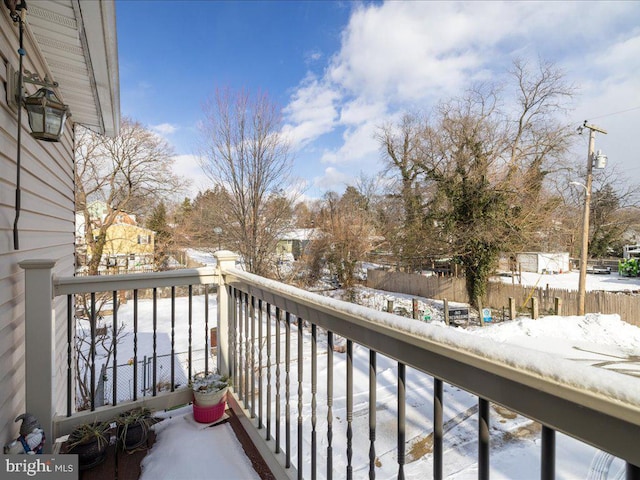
column 341, row 69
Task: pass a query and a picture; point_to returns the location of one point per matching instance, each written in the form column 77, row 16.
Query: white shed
column 541, row 262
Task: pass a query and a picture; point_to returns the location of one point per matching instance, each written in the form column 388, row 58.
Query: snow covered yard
column 569, row 281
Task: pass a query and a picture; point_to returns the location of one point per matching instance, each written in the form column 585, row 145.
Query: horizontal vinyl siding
column 46, row 230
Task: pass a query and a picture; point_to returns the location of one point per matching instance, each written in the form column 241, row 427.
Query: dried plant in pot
column 89, row 441
column 133, row 427
column 209, row 388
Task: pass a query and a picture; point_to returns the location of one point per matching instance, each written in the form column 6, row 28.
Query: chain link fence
column 125, row 386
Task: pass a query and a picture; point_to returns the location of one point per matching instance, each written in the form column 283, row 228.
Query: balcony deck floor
column 126, row 466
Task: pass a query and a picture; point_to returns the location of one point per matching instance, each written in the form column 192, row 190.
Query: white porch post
column 226, row 259
column 39, row 343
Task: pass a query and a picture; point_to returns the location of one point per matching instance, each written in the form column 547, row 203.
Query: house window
column 144, row 239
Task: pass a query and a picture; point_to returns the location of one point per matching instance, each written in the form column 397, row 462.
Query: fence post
column 512, row 308
column 225, row 259
column 446, row 310
column 534, row 308
column 557, row 306
column 520, row 273
column 39, row 325
column 390, row 306
column 547, row 298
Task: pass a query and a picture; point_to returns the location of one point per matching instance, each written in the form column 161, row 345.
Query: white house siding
column 46, row 230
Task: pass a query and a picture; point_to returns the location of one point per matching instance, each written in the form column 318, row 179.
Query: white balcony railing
column 265, row 328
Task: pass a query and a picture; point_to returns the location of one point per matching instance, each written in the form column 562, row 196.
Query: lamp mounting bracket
column 14, row 100
column 35, row 79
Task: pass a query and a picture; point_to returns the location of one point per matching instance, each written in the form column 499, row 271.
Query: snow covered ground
column 186, row 450
column 569, row 281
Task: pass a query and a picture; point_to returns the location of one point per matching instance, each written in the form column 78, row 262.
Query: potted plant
column 89, row 441
column 133, row 427
column 209, row 388
column 210, row 396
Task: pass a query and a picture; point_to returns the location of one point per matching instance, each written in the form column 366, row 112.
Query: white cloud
column 358, row 144
column 332, row 180
column 311, row 112
column 359, row 111
column 164, row 129
column 187, row 166
column 313, row 56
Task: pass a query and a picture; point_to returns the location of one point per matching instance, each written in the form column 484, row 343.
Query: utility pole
column 591, row 158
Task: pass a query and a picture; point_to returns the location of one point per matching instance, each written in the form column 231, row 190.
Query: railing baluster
column 173, row 339
column 207, row 349
column 155, row 346
column 349, row 409
column 260, row 397
column 268, row 401
column 252, row 356
column 372, row 414
column 240, row 347
column 437, row 429
column 92, row 351
column 329, row 405
column 277, row 380
column 287, row 392
column 247, row 353
column 314, row 391
column 402, row 395
column 70, row 329
column 548, row 454
column 300, row 374
column 483, row 439
column 135, row 344
column 190, row 332
column 114, row 376
column 233, row 341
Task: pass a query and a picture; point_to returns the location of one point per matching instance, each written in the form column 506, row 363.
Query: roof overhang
column 77, row 42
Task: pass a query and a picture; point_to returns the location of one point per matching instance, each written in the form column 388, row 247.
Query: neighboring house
column 293, row 243
column 128, row 246
column 74, row 43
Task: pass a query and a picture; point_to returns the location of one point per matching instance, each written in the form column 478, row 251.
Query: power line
column 616, row 113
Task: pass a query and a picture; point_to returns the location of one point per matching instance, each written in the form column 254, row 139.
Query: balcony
column 300, row 363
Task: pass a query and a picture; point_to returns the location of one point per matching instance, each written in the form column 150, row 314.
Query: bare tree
column 120, row 172
column 614, row 210
column 247, row 156
column 348, row 235
column 483, row 161
column 401, row 147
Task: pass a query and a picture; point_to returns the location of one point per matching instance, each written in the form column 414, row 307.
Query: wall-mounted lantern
column 47, row 115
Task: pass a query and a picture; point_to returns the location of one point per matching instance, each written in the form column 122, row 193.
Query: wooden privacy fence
column 498, row 294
